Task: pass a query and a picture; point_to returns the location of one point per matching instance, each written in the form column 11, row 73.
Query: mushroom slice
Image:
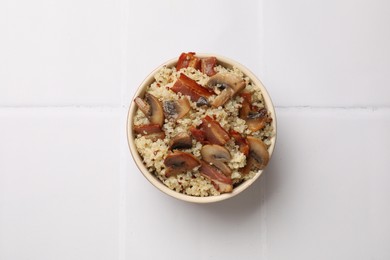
column 231, row 84
column 256, row 120
column 181, row 141
column 202, row 102
column 218, row 156
column 258, row 151
column 222, row 183
column 214, row 132
column 176, row 109
column 152, row 108
column 179, row 162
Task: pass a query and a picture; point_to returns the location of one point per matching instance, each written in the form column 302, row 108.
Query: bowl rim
column 151, row 177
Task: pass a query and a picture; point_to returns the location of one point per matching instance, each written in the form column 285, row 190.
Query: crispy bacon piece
column 150, row 131
column 189, row 87
column 147, row 129
column 214, row 132
column 188, row 60
column 207, row 66
column 222, row 183
column 241, row 141
column 155, row 136
column 198, row 134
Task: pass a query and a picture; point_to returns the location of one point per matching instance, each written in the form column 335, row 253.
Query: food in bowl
column 202, row 128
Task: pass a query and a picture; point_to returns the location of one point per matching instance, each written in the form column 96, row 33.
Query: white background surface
column 69, row 188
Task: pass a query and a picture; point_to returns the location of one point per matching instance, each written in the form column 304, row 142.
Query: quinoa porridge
column 202, row 128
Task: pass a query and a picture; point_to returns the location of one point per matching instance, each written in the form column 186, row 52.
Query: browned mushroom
column 257, row 120
column 229, row 82
column 218, row 156
column 214, row 132
column 255, row 117
column 181, row 141
column 152, row 108
column 221, row 182
column 176, row 109
column 258, row 155
column 179, row 162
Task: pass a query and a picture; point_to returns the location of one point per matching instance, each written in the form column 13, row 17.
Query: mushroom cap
column 157, row 114
column 259, row 151
column 257, row 120
column 231, row 83
column 179, row 162
column 218, row 156
column 176, row 109
column 152, row 108
column 181, row 141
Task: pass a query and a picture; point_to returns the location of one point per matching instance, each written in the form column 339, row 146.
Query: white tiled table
column 69, row 188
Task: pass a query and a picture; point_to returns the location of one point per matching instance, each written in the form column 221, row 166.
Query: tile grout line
column 125, row 106
column 122, row 214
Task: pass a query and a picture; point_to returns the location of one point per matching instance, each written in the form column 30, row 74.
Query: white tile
column 60, row 52
column 59, row 184
column 327, row 185
column 327, row 53
column 224, row 27
column 225, row 230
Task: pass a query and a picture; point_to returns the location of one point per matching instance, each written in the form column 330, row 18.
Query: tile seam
column 123, row 106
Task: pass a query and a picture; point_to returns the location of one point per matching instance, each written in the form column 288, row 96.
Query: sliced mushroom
column 179, row 162
column 257, row 120
column 218, row 156
column 176, row 109
column 202, row 101
column 258, row 155
column 181, row 141
column 152, row 108
column 214, row 132
column 231, row 84
column 222, row 183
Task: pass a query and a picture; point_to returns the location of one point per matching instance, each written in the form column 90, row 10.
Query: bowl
column 226, row 62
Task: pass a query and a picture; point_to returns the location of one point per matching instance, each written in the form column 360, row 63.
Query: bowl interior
column 153, row 179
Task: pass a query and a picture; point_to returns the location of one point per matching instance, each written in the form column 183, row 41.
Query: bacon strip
column 189, row 87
